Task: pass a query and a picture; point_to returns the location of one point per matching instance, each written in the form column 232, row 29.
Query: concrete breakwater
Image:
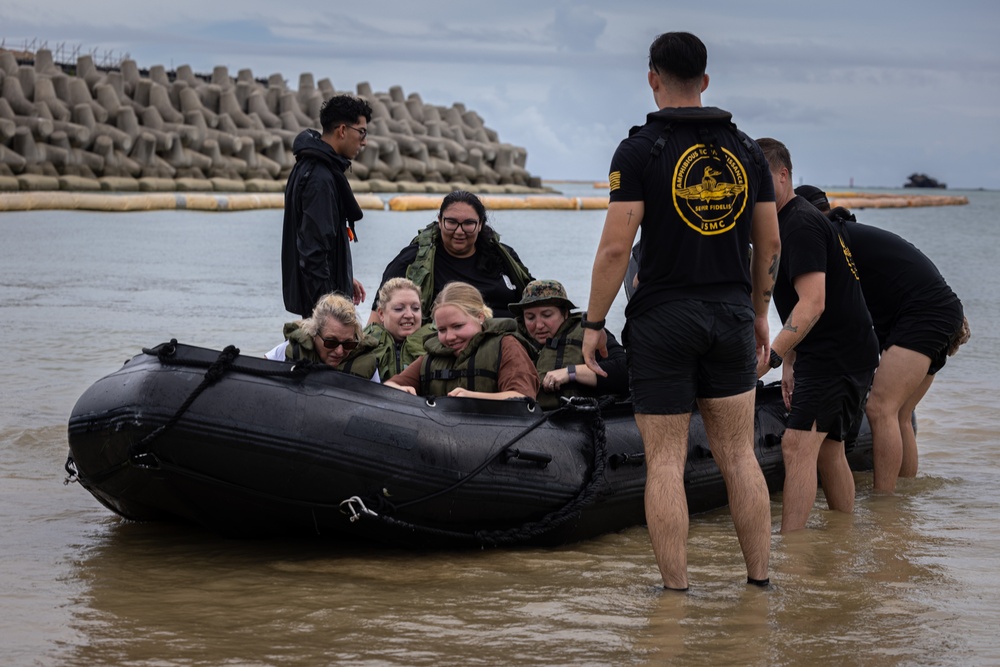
column 79, row 128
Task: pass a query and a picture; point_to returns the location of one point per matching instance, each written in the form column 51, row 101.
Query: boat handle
column 618, row 460
column 527, row 455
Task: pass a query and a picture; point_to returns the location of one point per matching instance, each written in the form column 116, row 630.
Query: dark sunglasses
column 333, row 344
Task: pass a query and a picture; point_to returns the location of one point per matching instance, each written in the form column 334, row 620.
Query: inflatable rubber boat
column 250, row 447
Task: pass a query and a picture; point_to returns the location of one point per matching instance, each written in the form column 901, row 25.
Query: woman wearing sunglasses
column 460, row 247
column 473, row 355
column 332, row 336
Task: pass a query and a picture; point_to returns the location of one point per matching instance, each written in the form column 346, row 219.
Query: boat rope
column 139, row 451
column 165, row 352
column 588, row 492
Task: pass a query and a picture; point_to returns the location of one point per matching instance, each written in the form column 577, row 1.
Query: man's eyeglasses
column 363, row 131
column 468, row 226
column 333, row 344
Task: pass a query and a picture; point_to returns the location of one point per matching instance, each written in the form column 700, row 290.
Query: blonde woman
column 473, row 354
column 332, row 336
column 397, row 327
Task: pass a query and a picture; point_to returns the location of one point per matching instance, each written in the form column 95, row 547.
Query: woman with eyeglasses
column 473, row 355
column 399, row 330
column 331, row 336
column 460, row 247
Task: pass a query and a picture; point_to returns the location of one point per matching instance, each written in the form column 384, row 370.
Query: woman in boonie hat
column 543, row 316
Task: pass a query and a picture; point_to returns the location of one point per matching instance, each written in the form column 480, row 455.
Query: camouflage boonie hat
column 540, row 292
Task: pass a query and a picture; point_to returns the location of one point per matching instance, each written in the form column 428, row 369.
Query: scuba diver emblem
column 709, row 189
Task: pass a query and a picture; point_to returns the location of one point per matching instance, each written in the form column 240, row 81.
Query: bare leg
column 900, row 373
column 800, row 450
column 665, row 439
column 838, row 480
column 909, row 465
column 729, row 426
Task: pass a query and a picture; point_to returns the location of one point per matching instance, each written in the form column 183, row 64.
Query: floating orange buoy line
column 152, row 199
column 853, row 200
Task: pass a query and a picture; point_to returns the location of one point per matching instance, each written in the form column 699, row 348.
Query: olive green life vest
column 360, row 361
column 562, row 350
column 477, row 367
column 393, row 357
column 421, row 271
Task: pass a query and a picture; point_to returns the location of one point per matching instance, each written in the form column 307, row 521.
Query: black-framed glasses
column 363, row 131
column 468, row 226
column 332, row 343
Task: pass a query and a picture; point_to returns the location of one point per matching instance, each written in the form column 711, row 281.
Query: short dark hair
column 679, row 55
column 343, row 110
column 776, row 153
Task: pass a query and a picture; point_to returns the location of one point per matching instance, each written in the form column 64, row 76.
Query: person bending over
column 919, row 322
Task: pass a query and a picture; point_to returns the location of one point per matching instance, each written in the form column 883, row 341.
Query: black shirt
column 896, row 277
column 842, row 340
column 699, row 194
column 498, row 291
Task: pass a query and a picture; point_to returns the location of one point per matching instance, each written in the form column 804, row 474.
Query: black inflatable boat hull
column 263, row 448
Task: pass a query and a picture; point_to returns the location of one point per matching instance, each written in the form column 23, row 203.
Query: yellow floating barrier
column 37, row 200
column 501, row 203
column 152, row 201
column 855, row 200
column 552, row 203
column 593, row 203
column 415, row 203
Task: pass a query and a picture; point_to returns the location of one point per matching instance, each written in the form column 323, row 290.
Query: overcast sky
column 864, row 92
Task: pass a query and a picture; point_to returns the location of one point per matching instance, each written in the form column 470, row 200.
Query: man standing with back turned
column 320, row 208
column 697, row 322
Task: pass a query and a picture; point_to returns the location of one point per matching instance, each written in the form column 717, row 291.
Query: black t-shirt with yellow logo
column 842, row 340
column 699, row 179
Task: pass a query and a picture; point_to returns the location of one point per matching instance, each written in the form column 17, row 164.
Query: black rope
column 527, row 531
column 139, row 452
column 482, row 466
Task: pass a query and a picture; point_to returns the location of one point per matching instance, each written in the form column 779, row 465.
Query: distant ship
column 923, row 181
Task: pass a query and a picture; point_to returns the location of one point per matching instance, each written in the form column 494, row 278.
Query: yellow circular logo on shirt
column 709, row 189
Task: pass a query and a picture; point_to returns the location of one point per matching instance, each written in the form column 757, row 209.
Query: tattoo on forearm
column 789, row 326
column 773, row 269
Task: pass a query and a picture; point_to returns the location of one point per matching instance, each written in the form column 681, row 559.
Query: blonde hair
column 338, row 307
column 463, row 296
column 392, row 286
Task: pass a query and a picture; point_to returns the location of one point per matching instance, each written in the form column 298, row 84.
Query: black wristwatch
column 596, row 326
column 775, row 360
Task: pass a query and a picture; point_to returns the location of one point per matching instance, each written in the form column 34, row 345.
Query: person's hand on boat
column 359, row 292
column 554, row 380
column 408, row 390
column 595, row 341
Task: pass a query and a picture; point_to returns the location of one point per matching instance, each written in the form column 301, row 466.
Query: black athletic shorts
column 833, row 402
column 927, row 331
column 682, row 350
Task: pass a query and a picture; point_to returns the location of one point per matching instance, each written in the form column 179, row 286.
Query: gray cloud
column 857, row 90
